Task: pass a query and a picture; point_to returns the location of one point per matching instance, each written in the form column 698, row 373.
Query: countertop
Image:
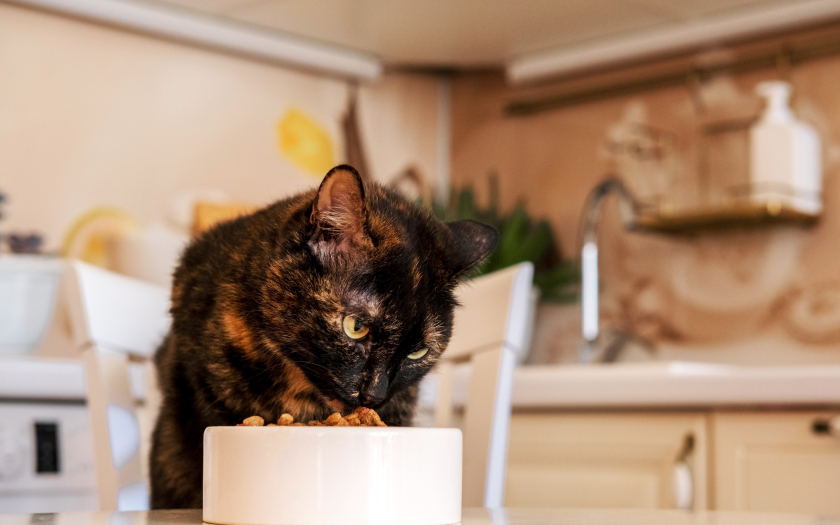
column 674, row 384
column 663, row 385
column 470, row 516
column 653, row 384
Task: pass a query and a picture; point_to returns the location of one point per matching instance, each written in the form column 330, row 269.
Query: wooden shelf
column 691, row 222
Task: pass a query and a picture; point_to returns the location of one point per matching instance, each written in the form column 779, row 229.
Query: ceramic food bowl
column 332, row 475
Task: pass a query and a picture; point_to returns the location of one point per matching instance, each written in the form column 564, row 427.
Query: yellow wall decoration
column 305, row 143
column 92, row 235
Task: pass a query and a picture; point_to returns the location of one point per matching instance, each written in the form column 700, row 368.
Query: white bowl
column 28, row 286
column 332, row 475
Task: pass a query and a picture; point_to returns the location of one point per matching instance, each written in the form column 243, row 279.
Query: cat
column 335, row 298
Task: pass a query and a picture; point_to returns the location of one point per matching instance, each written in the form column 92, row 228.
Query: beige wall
column 760, row 295
column 91, row 115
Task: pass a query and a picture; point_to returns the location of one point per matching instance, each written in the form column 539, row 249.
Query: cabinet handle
column 683, row 486
column 827, row 427
column 683, row 478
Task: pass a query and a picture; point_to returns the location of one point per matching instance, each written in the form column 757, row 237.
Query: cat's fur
column 257, row 307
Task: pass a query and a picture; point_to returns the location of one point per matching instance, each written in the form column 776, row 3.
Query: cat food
column 253, row 421
column 361, row 417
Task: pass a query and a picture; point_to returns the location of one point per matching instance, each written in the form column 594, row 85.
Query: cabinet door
column 775, row 462
column 606, row 460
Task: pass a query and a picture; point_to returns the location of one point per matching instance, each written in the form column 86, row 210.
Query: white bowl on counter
column 28, row 285
column 332, row 475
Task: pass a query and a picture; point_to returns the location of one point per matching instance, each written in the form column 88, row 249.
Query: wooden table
column 514, row 516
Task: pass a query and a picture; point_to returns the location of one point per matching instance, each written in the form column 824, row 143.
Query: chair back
column 491, row 327
column 115, row 319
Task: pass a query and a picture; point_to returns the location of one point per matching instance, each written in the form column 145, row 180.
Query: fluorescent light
column 219, row 34
column 677, row 37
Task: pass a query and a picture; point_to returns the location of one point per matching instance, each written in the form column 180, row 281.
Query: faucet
column 592, row 338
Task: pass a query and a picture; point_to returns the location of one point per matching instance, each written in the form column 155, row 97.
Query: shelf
column 692, row 222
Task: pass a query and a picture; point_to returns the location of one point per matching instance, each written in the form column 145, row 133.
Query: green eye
column 418, row 354
column 354, row 328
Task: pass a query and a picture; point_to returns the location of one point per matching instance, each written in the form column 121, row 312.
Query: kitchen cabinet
column 754, row 460
column 607, row 460
column 776, row 461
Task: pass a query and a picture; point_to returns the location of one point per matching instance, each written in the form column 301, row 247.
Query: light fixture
column 220, row 34
column 678, row 37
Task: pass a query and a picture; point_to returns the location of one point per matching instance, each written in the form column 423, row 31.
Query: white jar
column 785, row 156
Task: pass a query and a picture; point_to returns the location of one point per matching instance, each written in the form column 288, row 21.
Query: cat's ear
column 339, row 213
column 475, row 242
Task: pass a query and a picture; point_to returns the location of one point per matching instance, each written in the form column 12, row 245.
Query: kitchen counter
column 470, row 516
column 674, row 384
column 651, row 384
column 662, row 384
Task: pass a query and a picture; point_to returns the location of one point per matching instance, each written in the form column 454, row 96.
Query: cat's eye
column 418, row 354
column 354, row 328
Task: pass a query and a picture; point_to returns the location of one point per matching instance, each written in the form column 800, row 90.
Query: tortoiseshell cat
column 326, row 301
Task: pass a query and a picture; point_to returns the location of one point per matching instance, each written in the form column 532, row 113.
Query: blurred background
column 693, row 146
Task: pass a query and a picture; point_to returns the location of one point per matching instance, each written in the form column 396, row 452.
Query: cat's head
column 379, row 293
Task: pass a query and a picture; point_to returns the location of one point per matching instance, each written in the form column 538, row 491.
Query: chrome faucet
column 592, row 338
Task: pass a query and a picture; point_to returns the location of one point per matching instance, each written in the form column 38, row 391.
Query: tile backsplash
column 749, row 295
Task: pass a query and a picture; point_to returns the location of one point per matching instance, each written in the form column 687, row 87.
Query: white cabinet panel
column 775, row 462
column 604, row 460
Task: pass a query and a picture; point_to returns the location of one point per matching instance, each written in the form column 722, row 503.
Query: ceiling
column 467, row 33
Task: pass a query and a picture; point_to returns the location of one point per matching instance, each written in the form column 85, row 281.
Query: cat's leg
column 176, row 464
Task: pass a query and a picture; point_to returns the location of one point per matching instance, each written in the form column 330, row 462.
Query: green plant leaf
column 520, row 240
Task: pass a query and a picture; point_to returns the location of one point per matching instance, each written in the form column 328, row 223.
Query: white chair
column 115, row 319
column 491, row 327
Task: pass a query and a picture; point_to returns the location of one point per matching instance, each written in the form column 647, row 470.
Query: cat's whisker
column 264, row 370
column 307, row 363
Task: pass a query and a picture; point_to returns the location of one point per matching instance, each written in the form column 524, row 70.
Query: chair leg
column 114, row 426
column 486, row 427
column 444, row 376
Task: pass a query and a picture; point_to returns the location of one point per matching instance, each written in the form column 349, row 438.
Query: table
column 471, row 516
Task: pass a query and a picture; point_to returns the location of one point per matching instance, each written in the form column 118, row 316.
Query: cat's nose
column 374, row 393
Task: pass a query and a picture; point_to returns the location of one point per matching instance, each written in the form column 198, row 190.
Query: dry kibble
column 253, row 421
column 369, row 418
column 361, row 417
column 333, row 420
column 352, row 420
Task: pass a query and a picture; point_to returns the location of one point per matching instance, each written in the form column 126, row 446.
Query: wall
column 752, row 295
column 96, row 116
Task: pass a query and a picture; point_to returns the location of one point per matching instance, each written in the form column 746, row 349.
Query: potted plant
column 521, row 238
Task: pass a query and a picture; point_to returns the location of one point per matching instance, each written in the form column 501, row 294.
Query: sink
column 651, row 368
